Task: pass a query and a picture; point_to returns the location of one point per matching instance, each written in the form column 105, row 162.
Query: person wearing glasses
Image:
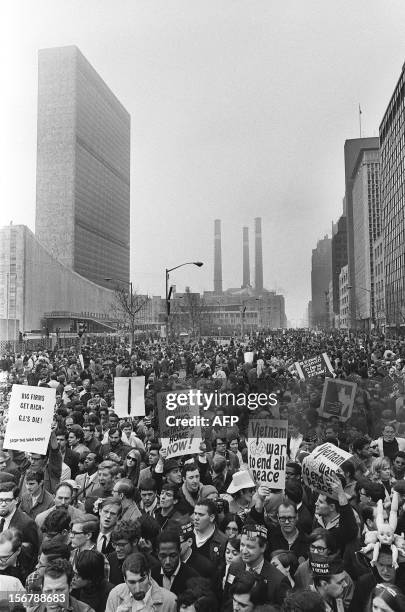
column 88, row 481
column 322, row 543
column 286, row 535
column 83, row 536
column 89, row 584
column 12, row 516
column 132, row 466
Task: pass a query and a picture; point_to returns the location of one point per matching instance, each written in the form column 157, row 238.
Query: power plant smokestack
column 258, row 255
column 246, row 263
column 217, row 257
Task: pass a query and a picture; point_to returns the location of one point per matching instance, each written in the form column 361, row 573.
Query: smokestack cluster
column 217, row 257
column 246, row 259
column 246, row 262
column 258, row 255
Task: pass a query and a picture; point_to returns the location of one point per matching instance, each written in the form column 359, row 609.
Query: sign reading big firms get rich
column 267, row 451
column 179, row 428
column 30, row 417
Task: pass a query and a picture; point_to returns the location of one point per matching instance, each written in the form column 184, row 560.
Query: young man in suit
column 252, row 549
column 11, row 516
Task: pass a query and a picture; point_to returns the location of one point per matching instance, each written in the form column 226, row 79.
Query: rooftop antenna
column 360, row 113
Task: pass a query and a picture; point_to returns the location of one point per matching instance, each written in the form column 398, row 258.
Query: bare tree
column 127, row 306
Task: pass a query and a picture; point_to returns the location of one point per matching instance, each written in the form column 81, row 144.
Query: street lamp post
column 242, row 314
column 168, row 293
column 131, row 303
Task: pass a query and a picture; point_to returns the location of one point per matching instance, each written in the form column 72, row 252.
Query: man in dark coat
column 173, row 574
column 252, row 548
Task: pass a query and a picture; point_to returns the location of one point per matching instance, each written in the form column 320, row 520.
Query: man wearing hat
column 252, row 548
column 329, row 581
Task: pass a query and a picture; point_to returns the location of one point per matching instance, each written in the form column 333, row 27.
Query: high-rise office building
column 352, row 150
column 367, row 228
column 83, row 168
column 321, row 276
column 392, row 173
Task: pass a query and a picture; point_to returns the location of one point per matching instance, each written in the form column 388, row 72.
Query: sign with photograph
column 337, row 399
column 30, row 417
column 267, row 451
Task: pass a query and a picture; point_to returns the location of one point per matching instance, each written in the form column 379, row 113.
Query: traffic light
column 82, row 329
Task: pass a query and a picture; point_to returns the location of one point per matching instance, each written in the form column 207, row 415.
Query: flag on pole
column 360, row 111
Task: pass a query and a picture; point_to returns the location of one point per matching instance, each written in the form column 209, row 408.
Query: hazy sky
column 239, row 109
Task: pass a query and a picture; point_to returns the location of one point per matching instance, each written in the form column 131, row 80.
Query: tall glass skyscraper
column 83, row 168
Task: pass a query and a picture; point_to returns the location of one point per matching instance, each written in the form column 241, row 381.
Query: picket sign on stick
column 129, row 396
column 30, row 417
column 314, row 366
column 267, row 451
column 183, row 438
column 320, row 469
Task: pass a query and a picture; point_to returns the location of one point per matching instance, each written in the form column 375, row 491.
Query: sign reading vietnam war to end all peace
column 337, row 398
column 267, row 451
column 321, row 468
column 30, row 416
column 308, row 368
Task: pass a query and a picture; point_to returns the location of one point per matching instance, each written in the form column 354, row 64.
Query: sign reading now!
column 30, row 418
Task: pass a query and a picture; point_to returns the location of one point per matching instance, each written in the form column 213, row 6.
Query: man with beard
column 140, row 586
column 115, row 449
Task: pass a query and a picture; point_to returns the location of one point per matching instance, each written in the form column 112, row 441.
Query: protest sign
column 30, row 418
column 129, row 396
column 81, row 361
column 179, row 428
column 267, row 451
column 337, row 398
column 320, row 469
column 249, row 357
column 308, row 368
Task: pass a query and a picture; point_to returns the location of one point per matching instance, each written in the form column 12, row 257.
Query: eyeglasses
column 75, row 533
column 7, row 501
column 119, row 544
column 131, row 458
column 285, row 519
column 317, row 549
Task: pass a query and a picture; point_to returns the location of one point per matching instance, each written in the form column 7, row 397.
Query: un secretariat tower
column 83, row 168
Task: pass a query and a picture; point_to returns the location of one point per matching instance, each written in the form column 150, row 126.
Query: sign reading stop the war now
column 177, row 437
column 30, row 416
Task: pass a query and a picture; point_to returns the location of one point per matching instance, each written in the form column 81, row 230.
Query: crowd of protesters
column 105, row 521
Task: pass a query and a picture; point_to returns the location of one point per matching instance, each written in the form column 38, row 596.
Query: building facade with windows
column 83, row 168
column 392, row 157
